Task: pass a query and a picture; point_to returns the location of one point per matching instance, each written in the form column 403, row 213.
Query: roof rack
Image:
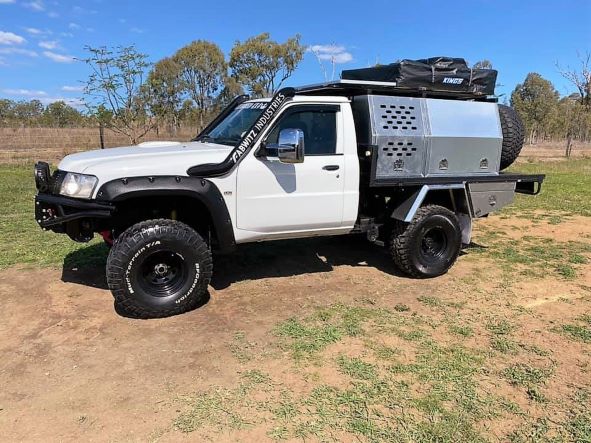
column 363, row 87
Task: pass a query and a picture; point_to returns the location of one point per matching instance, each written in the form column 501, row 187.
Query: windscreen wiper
column 227, row 140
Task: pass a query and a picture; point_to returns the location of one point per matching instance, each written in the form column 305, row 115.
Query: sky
column 40, row 40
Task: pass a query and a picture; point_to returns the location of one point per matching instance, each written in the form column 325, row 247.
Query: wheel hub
column 162, row 273
column 161, row 269
column 433, row 243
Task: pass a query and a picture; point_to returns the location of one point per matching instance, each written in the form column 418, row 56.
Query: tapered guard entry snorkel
column 247, row 142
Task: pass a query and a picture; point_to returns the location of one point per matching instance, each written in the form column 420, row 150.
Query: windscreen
column 230, row 130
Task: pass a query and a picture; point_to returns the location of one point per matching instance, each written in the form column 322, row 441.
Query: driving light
column 78, row 185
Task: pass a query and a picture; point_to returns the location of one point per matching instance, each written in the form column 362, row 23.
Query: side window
column 319, row 126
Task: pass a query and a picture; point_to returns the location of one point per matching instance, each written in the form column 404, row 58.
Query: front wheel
column 159, row 268
column 427, row 246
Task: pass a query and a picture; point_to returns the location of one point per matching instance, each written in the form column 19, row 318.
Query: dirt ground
column 72, row 369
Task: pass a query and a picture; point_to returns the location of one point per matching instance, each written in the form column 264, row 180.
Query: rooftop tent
column 431, row 74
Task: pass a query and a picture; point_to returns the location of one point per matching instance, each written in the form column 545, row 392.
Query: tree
column 231, row 90
column 6, row 110
column 572, row 121
column 262, row 65
column 164, row 89
column 27, row 111
column 202, row 69
column 580, row 79
column 188, row 112
column 535, row 100
column 59, row 114
column 116, row 84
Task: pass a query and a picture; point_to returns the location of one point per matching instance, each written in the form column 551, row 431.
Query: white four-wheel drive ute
column 409, row 165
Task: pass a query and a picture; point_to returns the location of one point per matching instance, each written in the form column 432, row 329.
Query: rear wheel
column 159, row 268
column 427, row 246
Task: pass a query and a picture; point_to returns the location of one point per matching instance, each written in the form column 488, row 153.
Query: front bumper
column 54, row 210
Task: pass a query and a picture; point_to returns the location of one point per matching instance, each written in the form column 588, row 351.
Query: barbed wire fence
column 27, row 144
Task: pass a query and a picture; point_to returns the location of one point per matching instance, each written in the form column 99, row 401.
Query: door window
column 318, row 124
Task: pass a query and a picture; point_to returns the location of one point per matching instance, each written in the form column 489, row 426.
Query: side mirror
column 290, row 148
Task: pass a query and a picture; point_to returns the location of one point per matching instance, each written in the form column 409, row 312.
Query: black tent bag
column 443, row 74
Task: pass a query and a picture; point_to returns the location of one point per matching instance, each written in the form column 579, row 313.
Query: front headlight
column 78, row 185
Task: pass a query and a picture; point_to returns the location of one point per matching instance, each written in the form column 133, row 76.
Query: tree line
column 29, row 113
column 131, row 96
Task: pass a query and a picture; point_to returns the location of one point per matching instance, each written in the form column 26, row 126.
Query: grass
column 427, row 390
column 500, row 327
column 305, row 339
column 566, row 187
column 576, row 427
column 580, row 331
column 536, row 256
column 376, row 404
column 240, row 348
column 434, row 397
column 461, row 330
column 526, row 375
column 221, row 408
column 501, row 341
column 503, row 345
column 435, row 302
column 534, row 394
column 356, row 368
column 382, row 351
column 22, row 240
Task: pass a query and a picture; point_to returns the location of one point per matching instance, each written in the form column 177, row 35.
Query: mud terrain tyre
column 427, row 246
column 513, row 135
column 159, row 268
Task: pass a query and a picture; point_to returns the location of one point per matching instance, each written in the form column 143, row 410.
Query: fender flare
column 198, row 188
column 407, row 209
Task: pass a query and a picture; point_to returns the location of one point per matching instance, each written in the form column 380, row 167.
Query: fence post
column 102, row 135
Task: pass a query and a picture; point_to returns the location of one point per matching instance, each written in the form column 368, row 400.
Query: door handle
column 331, row 167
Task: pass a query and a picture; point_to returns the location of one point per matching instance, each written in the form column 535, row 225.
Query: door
column 274, row 197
